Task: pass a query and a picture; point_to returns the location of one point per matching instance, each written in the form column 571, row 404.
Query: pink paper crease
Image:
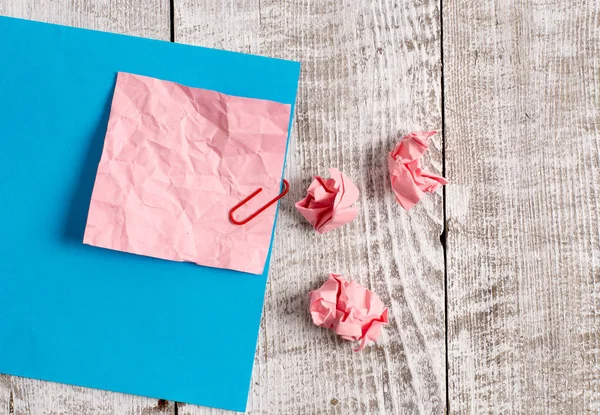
column 409, row 181
column 349, row 309
column 328, row 202
column 175, row 161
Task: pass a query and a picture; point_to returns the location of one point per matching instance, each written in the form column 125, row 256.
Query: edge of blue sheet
column 92, row 317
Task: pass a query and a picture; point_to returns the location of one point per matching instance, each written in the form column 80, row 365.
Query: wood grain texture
column 370, row 71
column 522, row 88
column 147, row 18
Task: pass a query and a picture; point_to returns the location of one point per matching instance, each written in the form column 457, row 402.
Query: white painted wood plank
column 522, row 88
column 6, row 400
column 370, row 70
column 147, row 18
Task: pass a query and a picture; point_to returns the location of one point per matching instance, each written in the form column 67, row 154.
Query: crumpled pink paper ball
column 409, row 181
column 349, row 309
column 327, row 204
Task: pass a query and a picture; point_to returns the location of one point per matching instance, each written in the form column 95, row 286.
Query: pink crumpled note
column 408, row 180
column 175, row 161
column 327, row 204
column 349, row 309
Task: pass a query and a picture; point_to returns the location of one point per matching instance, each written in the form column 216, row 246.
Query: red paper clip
column 255, row 214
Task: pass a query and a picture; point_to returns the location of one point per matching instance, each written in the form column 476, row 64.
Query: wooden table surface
column 500, row 313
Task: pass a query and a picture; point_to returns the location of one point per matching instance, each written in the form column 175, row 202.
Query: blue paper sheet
column 81, row 315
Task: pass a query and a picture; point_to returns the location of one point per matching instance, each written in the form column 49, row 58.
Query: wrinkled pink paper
column 408, row 180
column 327, row 204
column 175, row 161
column 349, row 309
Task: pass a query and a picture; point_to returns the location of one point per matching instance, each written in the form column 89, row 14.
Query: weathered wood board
column 522, row 112
column 147, row 18
column 370, row 71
